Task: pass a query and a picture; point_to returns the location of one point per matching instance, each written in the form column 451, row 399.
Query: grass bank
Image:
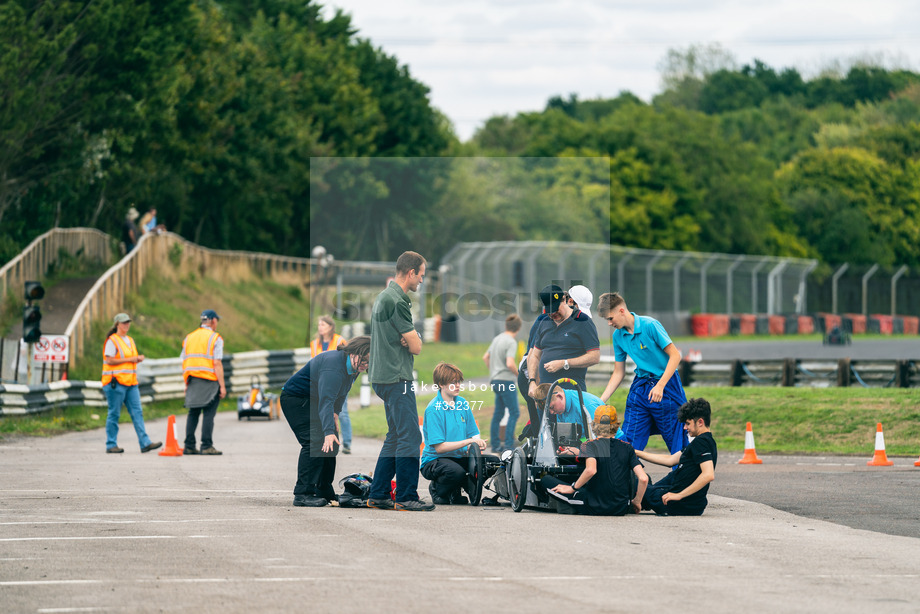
column 785, row 420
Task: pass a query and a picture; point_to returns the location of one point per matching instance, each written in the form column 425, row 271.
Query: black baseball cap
column 552, row 296
column 209, row 314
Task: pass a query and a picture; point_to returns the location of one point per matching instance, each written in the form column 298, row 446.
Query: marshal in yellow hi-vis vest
column 316, row 346
column 199, row 354
column 125, row 373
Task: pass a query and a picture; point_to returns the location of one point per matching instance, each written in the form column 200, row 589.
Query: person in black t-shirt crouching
column 683, row 491
column 605, row 487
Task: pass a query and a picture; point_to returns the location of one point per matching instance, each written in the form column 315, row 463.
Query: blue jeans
column 129, row 396
column 505, row 397
column 345, row 424
column 399, row 456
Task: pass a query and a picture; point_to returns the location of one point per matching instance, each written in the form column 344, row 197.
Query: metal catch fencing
column 482, row 283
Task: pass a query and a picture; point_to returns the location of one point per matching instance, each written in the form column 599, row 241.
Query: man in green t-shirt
column 394, row 344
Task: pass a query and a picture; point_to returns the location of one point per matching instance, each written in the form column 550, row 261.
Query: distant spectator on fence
column 119, row 381
column 148, row 222
column 129, row 232
column 501, row 358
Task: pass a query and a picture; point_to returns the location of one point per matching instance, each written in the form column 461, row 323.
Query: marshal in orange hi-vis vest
column 199, row 354
column 316, row 346
column 125, row 373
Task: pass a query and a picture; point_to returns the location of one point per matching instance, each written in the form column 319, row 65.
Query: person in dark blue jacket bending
column 310, row 399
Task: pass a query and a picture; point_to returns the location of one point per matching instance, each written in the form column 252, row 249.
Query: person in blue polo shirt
column 656, row 393
column 310, row 399
column 448, row 427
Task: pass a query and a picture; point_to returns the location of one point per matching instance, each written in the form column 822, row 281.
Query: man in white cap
column 581, row 299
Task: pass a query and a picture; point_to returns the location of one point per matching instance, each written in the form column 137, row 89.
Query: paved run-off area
column 85, row 531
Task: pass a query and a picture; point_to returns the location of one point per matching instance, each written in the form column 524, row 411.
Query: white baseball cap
column 583, row 298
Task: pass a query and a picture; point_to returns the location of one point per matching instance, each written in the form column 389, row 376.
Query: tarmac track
column 85, row 531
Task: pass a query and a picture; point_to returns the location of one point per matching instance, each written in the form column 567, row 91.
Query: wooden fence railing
column 33, row 263
column 170, row 251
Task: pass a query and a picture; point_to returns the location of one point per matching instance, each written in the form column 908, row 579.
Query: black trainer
column 457, row 498
column 439, row 500
column 153, row 445
column 114, row 450
column 309, row 501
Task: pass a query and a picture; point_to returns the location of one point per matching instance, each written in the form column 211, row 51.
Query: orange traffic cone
column 880, row 459
column 917, row 463
column 172, row 446
column 750, row 454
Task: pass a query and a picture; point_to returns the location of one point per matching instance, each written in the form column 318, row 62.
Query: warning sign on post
column 51, row 348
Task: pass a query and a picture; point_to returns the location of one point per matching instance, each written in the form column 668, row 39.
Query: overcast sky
column 483, row 58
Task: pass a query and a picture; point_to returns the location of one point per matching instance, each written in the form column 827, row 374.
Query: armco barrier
column 159, row 379
column 812, row 373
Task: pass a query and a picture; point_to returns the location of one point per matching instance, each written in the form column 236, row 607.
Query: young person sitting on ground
column 448, row 428
column 613, row 481
column 683, row 491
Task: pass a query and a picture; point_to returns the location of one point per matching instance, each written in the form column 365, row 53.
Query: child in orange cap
column 606, row 486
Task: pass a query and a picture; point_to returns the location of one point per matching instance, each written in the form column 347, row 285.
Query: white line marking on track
column 63, row 610
column 47, row 582
column 91, row 537
column 99, row 521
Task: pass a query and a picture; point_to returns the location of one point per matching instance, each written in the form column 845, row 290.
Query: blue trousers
column 399, row 456
column 345, row 425
column 643, row 418
column 505, row 397
column 129, row 396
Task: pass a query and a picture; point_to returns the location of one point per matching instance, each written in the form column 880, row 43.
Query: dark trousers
column 315, row 468
column 446, row 475
column 533, row 413
column 207, row 414
column 652, row 500
column 399, row 456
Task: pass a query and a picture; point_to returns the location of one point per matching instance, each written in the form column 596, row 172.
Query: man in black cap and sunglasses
column 566, row 343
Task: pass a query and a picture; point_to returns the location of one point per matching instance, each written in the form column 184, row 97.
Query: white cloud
column 506, row 56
